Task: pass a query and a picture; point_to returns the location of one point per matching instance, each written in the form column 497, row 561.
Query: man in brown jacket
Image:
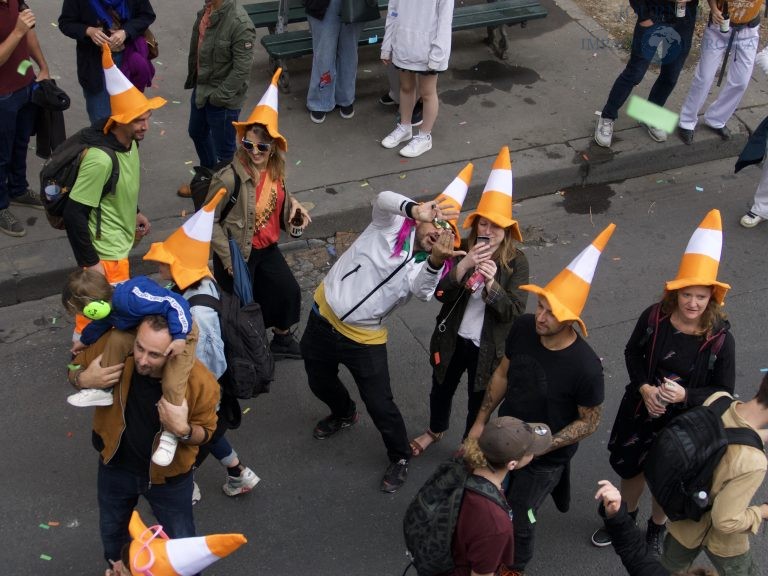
column 126, row 434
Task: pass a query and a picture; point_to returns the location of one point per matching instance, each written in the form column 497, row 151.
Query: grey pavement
column 317, row 509
column 540, row 102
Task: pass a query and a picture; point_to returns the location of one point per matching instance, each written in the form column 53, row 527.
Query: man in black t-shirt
column 548, row 374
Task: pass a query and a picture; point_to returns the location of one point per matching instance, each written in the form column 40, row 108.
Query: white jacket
column 369, row 261
column 417, row 35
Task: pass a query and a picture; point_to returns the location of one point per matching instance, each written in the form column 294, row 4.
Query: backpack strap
column 744, row 436
column 715, row 346
column 487, row 490
column 205, row 300
column 232, row 197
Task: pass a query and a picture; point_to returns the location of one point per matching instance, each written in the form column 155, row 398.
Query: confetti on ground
column 763, row 369
column 54, row 24
column 192, row 172
column 403, row 161
column 652, row 114
column 176, row 101
column 183, row 213
column 462, row 123
column 531, row 517
column 246, row 410
column 23, row 67
column 364, row 183
column 158, row 62
column 366, row 70
column 69, row 435
column 53, row 320
column 73, row 524
column 44, row 526
column 586, row 158
column 162, row 132
column 188, row 162
column 403, row 176
column 298, row 162
column 660, row 181
column 45, row 557
column 617, row 258
column 53, row 523
column 699, row 189
column 373, row 39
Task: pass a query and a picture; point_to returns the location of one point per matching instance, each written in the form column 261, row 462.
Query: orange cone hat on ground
column 153, row 553
column 265, row 113
column 496, row 202
column 568, row 291
column 702, row 258
column 455, row 193
column 186, row 250
column 126, row 101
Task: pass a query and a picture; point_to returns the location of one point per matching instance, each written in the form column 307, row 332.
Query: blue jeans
column 527, row 490
column 334, row 60
column 643, row 52
column 211, row 130
column 323, row 349
column 17, row 121
column 118, row 494
column 97, row 103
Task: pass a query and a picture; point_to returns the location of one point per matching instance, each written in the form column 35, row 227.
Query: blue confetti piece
column 373, row 39
column 763, row 369
column 699, row 189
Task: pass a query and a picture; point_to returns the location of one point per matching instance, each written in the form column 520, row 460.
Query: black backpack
column 250, row 366
column 431, row 517
column 682, row 460
column 62, row 168
column 201, row 182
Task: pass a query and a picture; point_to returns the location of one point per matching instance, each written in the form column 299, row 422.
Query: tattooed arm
column 583, row 426
column 494, row 394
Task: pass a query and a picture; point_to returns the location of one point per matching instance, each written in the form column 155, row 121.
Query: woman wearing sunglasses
column 263, row 208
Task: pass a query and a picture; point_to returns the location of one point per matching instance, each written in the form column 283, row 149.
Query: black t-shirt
column 142, row 423
column 546, row 385
column 678, row 355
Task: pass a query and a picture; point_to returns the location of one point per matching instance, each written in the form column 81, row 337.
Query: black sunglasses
column 260, row 146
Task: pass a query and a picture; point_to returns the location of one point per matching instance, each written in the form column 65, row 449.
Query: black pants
column 323, row 349
column 274, row 287
column 464, row 359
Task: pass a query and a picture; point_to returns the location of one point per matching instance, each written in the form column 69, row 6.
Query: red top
column 270, row 233
column 483, row 539
column 10, row 79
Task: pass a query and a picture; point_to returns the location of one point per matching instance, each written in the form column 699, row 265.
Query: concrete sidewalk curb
column 38, row 270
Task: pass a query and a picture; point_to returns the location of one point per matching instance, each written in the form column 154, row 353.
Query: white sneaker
column 242, row 484
column 400, row 134
column 750, row 219
column 761, row 60
column 91, row 397
column 416, row 147
column 166, row 449
column 656, row 134
column 604, row 132
column 196, row 496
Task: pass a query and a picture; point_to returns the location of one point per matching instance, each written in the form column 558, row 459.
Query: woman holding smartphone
column 481, row 297
column 680, row 353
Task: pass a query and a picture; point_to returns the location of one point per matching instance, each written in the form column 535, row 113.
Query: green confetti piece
column 531, row 517
column 651, row 114
column 73, row 366
column 44, row 526
column 45, row 557
column 23, row 67
column 298, row 162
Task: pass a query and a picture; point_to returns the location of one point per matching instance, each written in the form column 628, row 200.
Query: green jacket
column 503, row 304
column 226, row 55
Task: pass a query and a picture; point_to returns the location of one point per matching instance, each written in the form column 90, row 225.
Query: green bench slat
column 299, row 42
column 264, row 14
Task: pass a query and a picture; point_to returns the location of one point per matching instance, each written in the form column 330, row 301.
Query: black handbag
column 359, row 11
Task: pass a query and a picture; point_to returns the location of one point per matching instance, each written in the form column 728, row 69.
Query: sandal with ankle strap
column 417, row 449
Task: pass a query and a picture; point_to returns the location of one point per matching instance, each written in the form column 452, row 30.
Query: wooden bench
column 299, row 42
column 265, row 14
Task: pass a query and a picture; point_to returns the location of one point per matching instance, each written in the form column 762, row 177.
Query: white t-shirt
column 471, row 326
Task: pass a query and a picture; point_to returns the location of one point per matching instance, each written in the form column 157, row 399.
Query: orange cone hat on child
column 152, row 553
column 186, row 250
column 496, row 202
column 126, row 101
column 702, row 258
column 265, row 113
column 454, row 195
column 568, row 291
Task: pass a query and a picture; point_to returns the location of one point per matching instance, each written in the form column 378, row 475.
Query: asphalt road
column 318, row 509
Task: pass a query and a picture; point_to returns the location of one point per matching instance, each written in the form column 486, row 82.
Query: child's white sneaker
column 91, row 397
column 166, row 449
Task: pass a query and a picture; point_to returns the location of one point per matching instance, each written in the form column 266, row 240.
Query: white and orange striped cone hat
column 454, row 194
column 186, row 250
column 702, row 259
column 126, row 101
column 496, row 202
column 152, row 553
column 567, row 293
column 265, row 113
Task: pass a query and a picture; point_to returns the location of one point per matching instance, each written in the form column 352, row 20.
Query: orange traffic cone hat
column 496, row 202
column 126, row 101
column 152, row 553
column 265, row 113
column 186, row 250
column 702, row 258
column 568, row 291
column 454, row 195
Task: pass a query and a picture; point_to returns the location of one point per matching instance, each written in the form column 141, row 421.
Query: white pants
column 760, row 203
column 738, row 73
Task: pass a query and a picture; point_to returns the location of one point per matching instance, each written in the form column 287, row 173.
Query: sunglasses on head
column 260, row 146
column 441, row 224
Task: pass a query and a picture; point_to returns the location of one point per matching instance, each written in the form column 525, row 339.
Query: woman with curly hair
column 680, row 353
